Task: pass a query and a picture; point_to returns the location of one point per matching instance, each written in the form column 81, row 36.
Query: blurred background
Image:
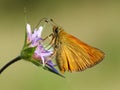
column 94, row 22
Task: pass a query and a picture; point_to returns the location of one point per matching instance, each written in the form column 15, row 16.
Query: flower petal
column 39, row 32
column 28, row 27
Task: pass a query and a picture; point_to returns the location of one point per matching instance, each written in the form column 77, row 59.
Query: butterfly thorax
column 57, row 34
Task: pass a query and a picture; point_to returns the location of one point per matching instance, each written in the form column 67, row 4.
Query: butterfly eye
column 56, row 30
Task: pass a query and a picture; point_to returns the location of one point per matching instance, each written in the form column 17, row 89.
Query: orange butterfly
column 72, row 54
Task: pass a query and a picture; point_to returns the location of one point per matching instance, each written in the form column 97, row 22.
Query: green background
column 94, row 22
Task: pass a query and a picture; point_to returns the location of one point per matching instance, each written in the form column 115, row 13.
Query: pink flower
column 40, row 54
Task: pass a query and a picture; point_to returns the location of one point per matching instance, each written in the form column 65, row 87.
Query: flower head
column 34, row 50
column 35, row 40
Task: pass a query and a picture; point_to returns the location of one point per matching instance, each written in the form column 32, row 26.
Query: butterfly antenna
column 41, row 20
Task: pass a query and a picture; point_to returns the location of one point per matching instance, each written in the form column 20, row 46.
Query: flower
column 35, row 40
column 34, row 50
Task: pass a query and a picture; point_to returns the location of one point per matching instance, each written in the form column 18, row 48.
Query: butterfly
column 72, row 54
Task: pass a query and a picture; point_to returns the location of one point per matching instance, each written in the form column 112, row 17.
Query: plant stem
column 9, row 63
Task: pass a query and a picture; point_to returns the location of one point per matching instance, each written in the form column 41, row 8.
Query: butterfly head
column 57, row 29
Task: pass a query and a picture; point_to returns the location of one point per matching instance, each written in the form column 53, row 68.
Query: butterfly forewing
column 74, row 55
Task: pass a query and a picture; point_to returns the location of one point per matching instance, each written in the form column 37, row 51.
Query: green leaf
column 36, row 62
column 25, row 41
column 49, row 69
column 27, row 52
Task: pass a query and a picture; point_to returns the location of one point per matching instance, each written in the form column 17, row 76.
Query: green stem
column 9, row 63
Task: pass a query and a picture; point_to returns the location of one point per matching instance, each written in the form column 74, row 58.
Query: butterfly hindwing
column 74, row 55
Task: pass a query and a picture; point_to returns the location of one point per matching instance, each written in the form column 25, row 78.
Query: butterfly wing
column 75, row 55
